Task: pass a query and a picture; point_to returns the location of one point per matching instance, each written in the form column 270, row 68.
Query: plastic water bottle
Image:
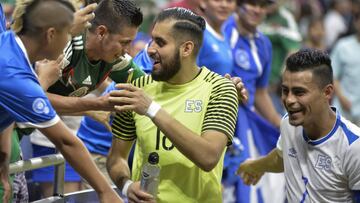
column 150, row 175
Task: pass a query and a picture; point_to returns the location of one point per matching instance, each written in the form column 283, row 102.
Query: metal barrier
column 88, row 196
column 56, row 160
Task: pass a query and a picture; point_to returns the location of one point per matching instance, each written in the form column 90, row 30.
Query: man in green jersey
column 185, row 113
column 94, row 55
column 90, row 58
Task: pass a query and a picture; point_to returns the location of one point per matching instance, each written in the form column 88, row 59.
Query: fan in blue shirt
column 252, row 55
column 38, row 33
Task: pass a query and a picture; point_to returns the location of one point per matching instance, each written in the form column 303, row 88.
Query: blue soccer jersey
column 215, row 52
column 22, row 100
column 252, row 58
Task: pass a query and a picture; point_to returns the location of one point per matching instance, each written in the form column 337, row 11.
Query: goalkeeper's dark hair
column 188, row 25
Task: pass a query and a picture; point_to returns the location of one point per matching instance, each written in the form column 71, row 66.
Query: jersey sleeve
column 125, row 71
column 25, row 101
column 221, row 112
column 352, row 165
column 123, row 126
column 76, row 43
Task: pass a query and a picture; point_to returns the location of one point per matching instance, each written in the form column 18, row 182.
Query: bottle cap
column 153, row 158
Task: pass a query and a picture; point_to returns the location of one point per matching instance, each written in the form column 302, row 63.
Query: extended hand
column 130, row 98
column 82, row 18
column 135, row 194
column 248, row 173
column 243, row 94
column 49, row 71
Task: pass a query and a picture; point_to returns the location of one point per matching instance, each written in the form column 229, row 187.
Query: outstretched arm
column 63, row 104
column 77, row 155
column 251, row 171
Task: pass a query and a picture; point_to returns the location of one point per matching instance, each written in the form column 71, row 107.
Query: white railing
column 56, row 160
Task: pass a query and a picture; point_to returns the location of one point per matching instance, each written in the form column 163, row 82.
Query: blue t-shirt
column 21, row 97
column 2, row 20
column 215, row 52
column 252, row 58
column 94, row 135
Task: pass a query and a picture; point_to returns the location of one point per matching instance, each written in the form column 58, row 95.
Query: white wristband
column 153, row 109
column 126, row 187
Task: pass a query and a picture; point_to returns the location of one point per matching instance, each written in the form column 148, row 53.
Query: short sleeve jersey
column 22, row 100
column 215, row 52
column 80, row 76
column 324, row 170
column 209, row 102
column 252, row 56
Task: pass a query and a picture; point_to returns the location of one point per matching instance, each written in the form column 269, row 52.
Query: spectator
column 346, row 64
column 335, row 22
column 252, row 53
column 315, row 35
column 91, row 57
column 23, row 99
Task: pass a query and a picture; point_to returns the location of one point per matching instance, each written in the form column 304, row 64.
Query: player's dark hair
column 188, row 25
column 115, row 14
column 314, row 60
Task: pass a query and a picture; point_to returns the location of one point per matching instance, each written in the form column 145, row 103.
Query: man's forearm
column 74, row 150
column 64, row 104
column 5, row 146
column 118, row 170
column 272, row 162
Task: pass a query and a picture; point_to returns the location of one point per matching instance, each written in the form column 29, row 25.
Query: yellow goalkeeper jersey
column 208, row 102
